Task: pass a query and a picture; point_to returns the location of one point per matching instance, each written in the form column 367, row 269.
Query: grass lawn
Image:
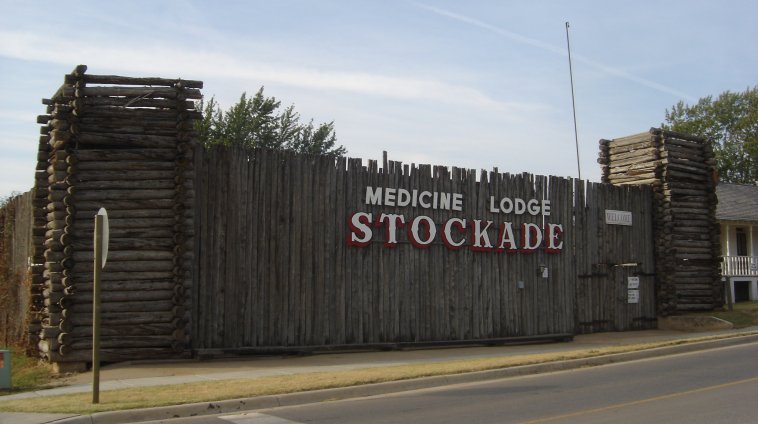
column 743, row 314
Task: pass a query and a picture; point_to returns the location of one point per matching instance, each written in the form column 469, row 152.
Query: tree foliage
column 731, row 123
column 257, row 122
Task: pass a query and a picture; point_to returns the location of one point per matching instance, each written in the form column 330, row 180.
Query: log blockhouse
column 124, row 144
column 680, row 168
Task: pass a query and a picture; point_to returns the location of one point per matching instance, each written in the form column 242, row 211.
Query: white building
column 737, row 212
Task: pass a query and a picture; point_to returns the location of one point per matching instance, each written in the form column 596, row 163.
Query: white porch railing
column 740, row 266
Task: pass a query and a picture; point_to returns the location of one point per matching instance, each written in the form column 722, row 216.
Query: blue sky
column 476, row 84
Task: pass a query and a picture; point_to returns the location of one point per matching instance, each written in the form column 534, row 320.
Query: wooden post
column 6, row 328
column 729, row 300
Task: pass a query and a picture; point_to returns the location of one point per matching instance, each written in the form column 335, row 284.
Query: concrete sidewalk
column 159, row 373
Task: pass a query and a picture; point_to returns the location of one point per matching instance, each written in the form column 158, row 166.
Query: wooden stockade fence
column 16, row 249
column 680, row 168
column 235, row 250
column 124, row 144
column 275, row 270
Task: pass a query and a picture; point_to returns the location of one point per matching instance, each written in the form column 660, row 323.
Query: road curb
column 301, row 398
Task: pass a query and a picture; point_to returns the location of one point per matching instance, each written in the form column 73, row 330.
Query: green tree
column 256, row 122
column 731, row 123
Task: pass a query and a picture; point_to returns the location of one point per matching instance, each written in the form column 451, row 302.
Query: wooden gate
column 615, row 288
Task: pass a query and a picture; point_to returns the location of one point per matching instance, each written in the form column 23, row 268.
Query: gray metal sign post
column 101, row 254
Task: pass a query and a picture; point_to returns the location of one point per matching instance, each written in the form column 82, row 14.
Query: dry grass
column 233, row 389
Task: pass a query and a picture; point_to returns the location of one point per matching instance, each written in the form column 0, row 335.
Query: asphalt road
column 713, row 386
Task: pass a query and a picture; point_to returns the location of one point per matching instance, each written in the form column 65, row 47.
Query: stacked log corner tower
column 125, row 144
column 681, row 170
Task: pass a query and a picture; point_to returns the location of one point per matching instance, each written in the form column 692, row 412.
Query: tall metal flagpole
column 573, row 102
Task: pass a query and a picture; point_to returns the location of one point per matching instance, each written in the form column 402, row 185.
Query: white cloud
column 159, row 59
column 17, row 116
column 16, row 176
column 609, row 70
column 492, row 28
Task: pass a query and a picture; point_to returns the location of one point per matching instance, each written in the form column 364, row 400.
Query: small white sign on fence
column 618, row 217
column 633, row 296
column 633, row 282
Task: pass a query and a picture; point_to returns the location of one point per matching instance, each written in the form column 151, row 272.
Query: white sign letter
column 480, row 235
column 507, row 240
column 429, row 232
column 447, row 236
column 391, row 223
column 360, row 229
column 373, row 195
column 531, row 236
column 554, row 238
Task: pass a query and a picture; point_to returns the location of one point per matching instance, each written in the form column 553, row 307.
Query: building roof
column 737, row 202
